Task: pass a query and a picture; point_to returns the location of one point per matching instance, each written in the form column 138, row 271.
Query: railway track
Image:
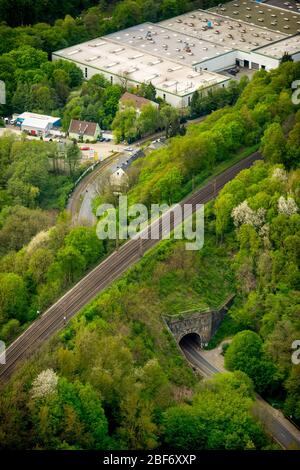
column 285, row 433
column 102, row 276
column 74, row 201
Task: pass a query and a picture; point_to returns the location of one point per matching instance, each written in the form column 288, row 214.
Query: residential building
column 136, row 101
column 84, row 130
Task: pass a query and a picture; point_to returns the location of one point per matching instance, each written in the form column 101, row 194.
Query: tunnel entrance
column 189, row 338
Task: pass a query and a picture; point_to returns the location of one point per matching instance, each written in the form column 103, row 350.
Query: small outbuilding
column 37, row 124
column 84, row 130
column 118, row 178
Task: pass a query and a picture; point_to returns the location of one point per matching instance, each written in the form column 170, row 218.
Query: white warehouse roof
column 37, row 120
column 225, row 31
column 168, row 44
column 127, row 63
column 289, row 45
column 174, row 55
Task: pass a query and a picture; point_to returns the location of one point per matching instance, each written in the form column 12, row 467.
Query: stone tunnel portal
column 191, row 338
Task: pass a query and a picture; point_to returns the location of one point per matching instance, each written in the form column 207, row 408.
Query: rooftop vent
column 152, row 77
column 174, row 69
column 90, row 59
column 132, row 70
column 112, row 64
column 117, row 51
column 170, row 84
column 74, row 52
column 137, row 56
column 155, row 62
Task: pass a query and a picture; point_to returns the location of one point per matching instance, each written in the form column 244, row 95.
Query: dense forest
column 41, row 253
column 264, row 111
column 30, row 12
column 140, row 394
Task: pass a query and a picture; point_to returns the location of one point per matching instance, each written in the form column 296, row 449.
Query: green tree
column 85, row 240
column 21, row 224
column 10, row 330
column 73, row 157
column 223, row 208
column 13, row 297
column 71, row 263
column 148, row 120
column 273, row 144
column 148, row 90
column 293, row 147
column 126, row 14
column 245, row 353
column 170, row 120
column 125, row 125
column 219, row 417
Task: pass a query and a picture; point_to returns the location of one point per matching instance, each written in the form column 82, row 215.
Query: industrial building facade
column 191, row 52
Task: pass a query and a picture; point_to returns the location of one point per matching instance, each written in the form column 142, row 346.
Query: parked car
column 85, row 147
column 128, row 149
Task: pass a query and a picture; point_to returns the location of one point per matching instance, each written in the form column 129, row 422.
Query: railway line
column 102, row 276
column 74, row 201
column 275, row 423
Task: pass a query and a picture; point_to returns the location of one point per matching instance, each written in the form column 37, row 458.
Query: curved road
column 102, row 276
column 80, row 202
column 287, row 435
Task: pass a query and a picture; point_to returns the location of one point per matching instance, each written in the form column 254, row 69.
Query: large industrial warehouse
column 192, row 51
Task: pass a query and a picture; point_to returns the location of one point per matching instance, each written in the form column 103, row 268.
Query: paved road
column 80, row 202
column 102, row 276
column 287, row 435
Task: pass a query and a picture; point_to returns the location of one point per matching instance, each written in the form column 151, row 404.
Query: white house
column 118, row 178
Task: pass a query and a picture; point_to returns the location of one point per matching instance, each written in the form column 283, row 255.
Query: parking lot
column 243, row 72
column 102, row 149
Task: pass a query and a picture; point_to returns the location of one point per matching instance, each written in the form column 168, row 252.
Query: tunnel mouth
column 189, row 338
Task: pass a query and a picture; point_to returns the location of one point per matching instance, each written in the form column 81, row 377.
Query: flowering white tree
column 243, row 214
column 264, row 231
column 44, row 384
column 280, row 175
column 39, row 240
column 287, row 206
